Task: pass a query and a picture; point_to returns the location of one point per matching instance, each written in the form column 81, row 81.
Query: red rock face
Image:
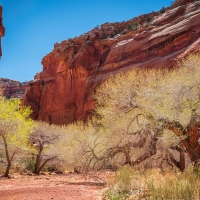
column 13, row 88
column 2, row 29
column 63, row 91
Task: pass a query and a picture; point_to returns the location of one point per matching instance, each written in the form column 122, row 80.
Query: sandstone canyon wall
column 2, row 29
column 63, row 91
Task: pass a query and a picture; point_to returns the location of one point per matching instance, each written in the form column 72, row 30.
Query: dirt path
column 49, row 187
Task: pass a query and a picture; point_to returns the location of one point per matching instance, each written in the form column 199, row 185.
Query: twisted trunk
column 38, row 161
column 188, row 136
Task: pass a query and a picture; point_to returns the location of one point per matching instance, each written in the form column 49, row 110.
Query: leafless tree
column 43, row 141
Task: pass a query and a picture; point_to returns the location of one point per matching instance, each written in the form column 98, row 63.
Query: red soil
column 46, row 187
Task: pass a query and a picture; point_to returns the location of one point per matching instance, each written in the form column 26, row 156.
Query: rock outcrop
column 63, row 91
column 13, row 88
column 2, row 29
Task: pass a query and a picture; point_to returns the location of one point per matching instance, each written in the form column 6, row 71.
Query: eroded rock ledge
column 63, row 91
column 13, row 88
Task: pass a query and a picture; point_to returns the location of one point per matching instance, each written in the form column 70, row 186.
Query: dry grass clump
column 127, row 184
column 174, row 186
column 153, row 184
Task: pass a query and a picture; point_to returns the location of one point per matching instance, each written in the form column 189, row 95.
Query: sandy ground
column 48, row 187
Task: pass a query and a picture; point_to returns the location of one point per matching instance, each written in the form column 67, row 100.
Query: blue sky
column 34, row 26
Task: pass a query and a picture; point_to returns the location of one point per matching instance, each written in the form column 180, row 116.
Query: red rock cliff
column 63, row 91
column 13, row 88
column 2, row 29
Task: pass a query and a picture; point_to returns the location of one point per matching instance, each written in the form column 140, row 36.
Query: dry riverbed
column 51, row 187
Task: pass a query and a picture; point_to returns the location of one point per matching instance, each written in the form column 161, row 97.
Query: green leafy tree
column 15, row 128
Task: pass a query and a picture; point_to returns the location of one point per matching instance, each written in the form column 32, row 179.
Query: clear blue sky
column 34, row 26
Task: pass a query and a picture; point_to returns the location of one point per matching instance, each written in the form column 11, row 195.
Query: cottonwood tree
column 174, row 99
column 15, row 128
column 126, row 122
column 154, row 100
column 44, row 143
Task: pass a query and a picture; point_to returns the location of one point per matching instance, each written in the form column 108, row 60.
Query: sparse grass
column 126, row 183
column 174, row 186
column 153, row 184
column 121, row 185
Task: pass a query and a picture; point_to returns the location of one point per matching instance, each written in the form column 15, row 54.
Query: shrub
column 149, row 19
column 124, row 32
column 162, row 10
column 113, row 34
column 29, row 164
column 121, row 188
column 129, row 27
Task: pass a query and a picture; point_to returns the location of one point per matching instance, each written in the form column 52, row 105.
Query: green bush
column 149, row 19
column 133, row 27
column 162, row 10
column 129, row 27
column 29, row 164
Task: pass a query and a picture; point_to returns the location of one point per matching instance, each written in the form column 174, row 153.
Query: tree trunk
column 38, row 161
column 8, row 169
column 191, row 142
column 188, row 136
column 44, row 163
column 9, row 163
column 182, row 161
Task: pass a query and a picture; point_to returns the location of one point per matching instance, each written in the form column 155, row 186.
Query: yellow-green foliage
column 15, row 122
column 15, row 128
column 132, row 100
column 81, row 143
column 173, row 94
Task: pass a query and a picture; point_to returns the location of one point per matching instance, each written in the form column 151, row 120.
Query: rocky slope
column 2, row 29
column 13, row 88
column 63, row 91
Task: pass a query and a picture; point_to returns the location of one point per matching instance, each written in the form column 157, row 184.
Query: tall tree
column 15, row 128
column 153, row 99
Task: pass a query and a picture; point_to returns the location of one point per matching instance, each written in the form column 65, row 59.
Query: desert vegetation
column 145, row 127
column 15, row 129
